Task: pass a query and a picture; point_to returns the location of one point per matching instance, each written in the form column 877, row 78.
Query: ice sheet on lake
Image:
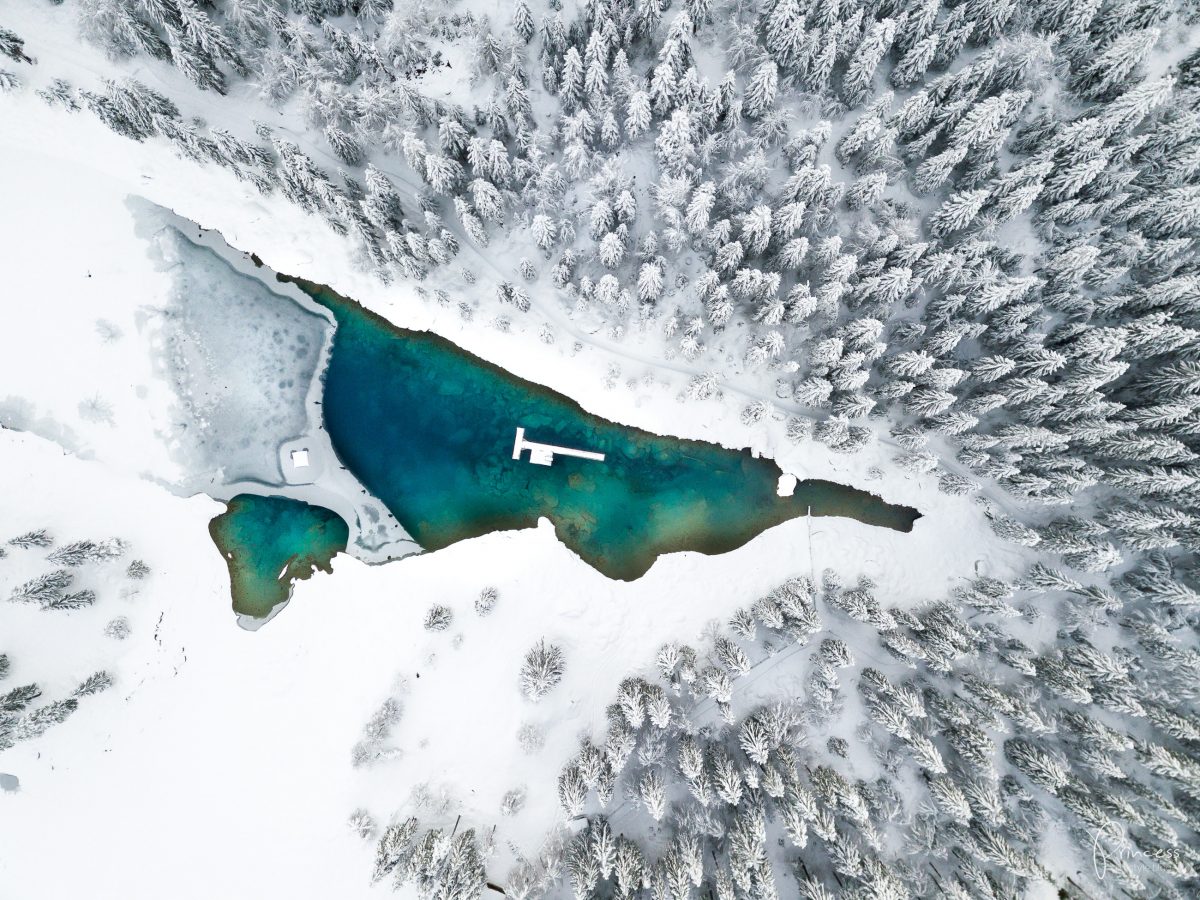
column 240, row 359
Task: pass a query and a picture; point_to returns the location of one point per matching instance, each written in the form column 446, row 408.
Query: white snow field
column 219, row 765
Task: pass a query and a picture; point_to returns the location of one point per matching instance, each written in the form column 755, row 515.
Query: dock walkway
column 543, row 454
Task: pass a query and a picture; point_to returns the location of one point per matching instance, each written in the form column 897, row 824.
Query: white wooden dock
column 543, row 454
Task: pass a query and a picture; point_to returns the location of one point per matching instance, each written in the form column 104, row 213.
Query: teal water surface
column 428, row 429
column 271, row 542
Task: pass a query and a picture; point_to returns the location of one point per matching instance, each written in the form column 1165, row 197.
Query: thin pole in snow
column 812, row 567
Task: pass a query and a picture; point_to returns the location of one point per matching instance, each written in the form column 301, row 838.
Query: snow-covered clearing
column 220, row 763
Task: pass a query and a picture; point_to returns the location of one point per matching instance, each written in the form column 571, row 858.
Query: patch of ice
column 240, row 360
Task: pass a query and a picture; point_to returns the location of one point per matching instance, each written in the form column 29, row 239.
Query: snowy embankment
column 235, row 748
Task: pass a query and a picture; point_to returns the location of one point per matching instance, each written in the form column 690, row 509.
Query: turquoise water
column 428, row 429
column 271, row 542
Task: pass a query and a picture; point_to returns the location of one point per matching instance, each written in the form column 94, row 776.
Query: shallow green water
column 428, row 429
column 271, row 542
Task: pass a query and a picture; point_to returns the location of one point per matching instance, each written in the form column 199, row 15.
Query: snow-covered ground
column 220, row 763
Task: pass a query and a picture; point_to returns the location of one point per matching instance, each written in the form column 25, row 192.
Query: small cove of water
column 271, row 542
column 428, row 429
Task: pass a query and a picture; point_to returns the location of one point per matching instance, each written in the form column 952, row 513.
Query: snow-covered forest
column 958, row 233
column 25, row 712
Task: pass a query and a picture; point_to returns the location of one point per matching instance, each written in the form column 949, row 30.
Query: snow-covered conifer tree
column 762, row 89
column 541, row 670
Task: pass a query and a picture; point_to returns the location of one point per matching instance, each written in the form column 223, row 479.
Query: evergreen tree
column 862, row 65
column 541, row 670
column 760, row 93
